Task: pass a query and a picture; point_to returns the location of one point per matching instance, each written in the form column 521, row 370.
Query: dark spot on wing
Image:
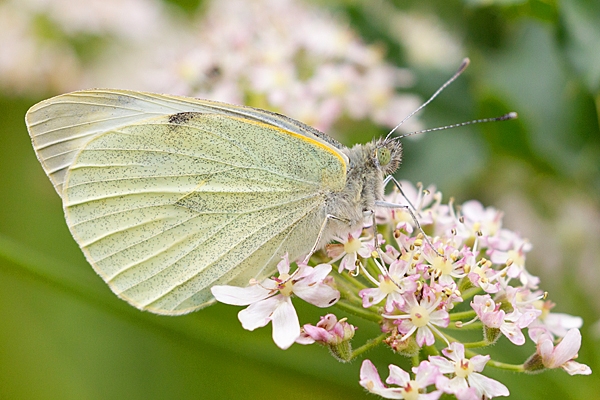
column 182, row 117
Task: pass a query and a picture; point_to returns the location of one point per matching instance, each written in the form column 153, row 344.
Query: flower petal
column 320, row 272
column 575, row 368
column 334, row 250
column 545, row 347
column 286, row 327
column 348, row 262
column 468, row 393
column 513, row 333
column 320, row 295
column 455, row 352
column 440, row 318
column 425, row 336
column 426, row 373
column 435, row 395
column 445, row 366
column 369, row 379
column 259, row 314
column 567, row 348
column 455, row 384
column 397, row 376
column 398, row 268
column 371, row 296
column 283, row 267
column 479, row 362
column 559, row 324
column 317, row 333
column 239, row 296
column 487, row 386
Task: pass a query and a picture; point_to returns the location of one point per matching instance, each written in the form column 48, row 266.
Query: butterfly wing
column 168, row 206
column 59, row 127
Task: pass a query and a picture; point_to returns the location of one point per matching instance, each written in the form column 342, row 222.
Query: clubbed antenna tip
column 465, row 63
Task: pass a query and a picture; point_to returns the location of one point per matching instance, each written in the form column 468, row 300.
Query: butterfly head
column 387, row 155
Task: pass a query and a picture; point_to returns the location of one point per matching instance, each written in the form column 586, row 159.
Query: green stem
column 359, row 311
column 443, row 336
column 481, row 343
column 505, row 366
column 350, row 280
column 416, row 360
column 467, row 294
column 470, row 327
column 372, row 269
column 463, row 315
column 347, row 292
column 368, row 345
column 431, row 351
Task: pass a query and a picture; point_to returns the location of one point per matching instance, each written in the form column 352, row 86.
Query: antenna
column 505, row 117
column 465, row 63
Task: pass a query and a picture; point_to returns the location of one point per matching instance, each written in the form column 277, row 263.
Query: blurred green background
column 64, row 335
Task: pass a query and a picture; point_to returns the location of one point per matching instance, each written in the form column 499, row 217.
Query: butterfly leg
column 328, row 217
column 409, row 208
column 390, row 178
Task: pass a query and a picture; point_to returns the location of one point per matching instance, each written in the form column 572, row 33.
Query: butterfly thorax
column 368, row 165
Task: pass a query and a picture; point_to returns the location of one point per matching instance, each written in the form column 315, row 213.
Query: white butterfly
column 168, row 196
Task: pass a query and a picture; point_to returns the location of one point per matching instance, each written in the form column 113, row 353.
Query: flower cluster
column 457, row 270
column 282, row 55
column 466, row 382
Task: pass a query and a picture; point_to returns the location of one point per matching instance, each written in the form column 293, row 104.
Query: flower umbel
column 470, row 274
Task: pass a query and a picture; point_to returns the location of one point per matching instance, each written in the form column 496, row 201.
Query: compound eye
column 384, row 155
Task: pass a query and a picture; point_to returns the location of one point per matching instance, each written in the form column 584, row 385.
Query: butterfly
column 168, row 196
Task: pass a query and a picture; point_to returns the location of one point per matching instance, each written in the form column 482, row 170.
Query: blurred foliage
column 66, row 336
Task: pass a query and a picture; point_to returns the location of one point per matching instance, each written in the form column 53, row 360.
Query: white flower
column 447, row 268
column 563, row 354
column 466, row 374
column 478, row 221
column 421, row 316
column 514, row 256
column 411, row 389
column 350, row 248
column 270, row 301
column 391, row 286
column 510, row 325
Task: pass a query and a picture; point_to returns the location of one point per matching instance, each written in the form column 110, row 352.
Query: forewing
column 61, row 126
column 167, row 208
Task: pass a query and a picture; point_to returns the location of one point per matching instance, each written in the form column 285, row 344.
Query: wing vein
column 173, row 244
column 249, row 255
column 170, row 290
